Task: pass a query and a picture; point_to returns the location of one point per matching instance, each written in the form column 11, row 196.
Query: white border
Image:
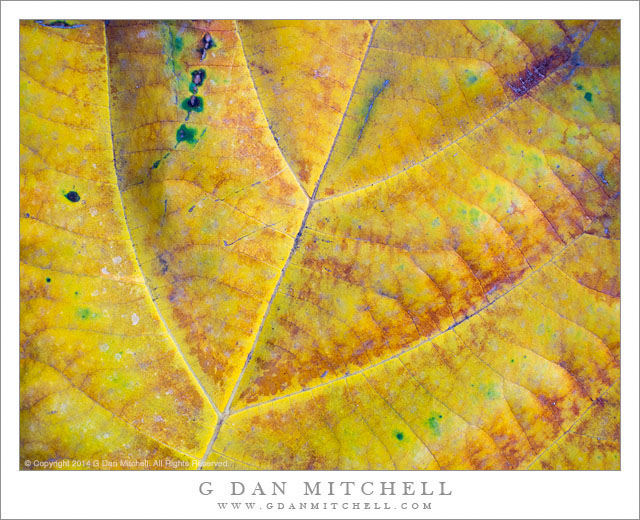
column 174, row 495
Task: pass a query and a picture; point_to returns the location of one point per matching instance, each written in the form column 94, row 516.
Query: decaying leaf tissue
column 320, row 244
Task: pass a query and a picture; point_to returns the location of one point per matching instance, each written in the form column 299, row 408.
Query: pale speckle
column 323, row 72
column 105, row 436
column 95, row 293
column 142, row 34
column 134, row 319
column 116, row 259
column 118, row 356
column 103, row 347
column 93, row 212
column 105, row 271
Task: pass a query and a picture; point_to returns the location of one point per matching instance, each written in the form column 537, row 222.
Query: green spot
column 578, row 86
column 513, row 360
column 178, row 44
column 475, row 216
column 156, row 164
column 588, row 96
column 471, row 78
column 48, row 279
column 187, row 134
column 492, row 391
column 193, row 104
column 434, row 425
column 85, row 314
column 76, row 293
column 399, row 436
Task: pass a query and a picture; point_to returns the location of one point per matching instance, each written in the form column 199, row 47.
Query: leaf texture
column 321, row 244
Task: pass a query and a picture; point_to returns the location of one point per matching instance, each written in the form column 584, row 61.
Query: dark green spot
column 76, row 293
column 578, row 86
column 73, row 196
column 588, row 96
column 187, row 134
column 471, row 79
column 193, row 104
column 178, row 44
column 156, row 164
column 512, row 360
column 48, row 279
column 399, row 436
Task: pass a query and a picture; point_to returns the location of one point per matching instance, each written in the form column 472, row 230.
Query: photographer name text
column 346, row 488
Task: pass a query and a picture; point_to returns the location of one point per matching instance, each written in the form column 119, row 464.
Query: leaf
column 321, row 244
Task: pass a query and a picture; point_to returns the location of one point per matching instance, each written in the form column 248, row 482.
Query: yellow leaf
column 320, row 244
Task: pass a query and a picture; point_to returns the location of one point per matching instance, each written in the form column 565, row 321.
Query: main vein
column 296, row 242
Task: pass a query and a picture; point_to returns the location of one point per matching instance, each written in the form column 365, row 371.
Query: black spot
column 198, row 76
column 48, row 279
column 194, row 103
column 73, row 196
column 208, row 41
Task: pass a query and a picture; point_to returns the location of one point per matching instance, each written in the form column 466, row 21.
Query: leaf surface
column 321, row 245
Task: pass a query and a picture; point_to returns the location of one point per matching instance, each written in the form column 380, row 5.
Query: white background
column 66, row 494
